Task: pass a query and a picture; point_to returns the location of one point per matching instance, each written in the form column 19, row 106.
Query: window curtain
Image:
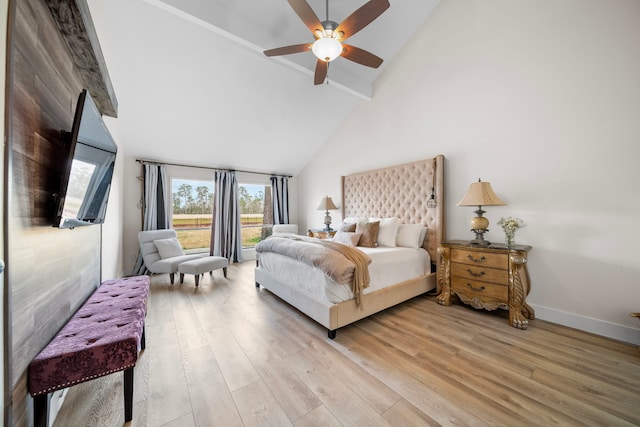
column 226, row 240
column 280, row 192
column 155, row 209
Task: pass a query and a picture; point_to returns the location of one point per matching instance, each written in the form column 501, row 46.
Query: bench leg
column 224, row 271
column 128, row 394
column 197, row 276
column 172, row 277
column 41, row 410
column 181, row 278
column 143, row 338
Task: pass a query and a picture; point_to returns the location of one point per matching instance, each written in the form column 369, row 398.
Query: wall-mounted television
column 88, row 169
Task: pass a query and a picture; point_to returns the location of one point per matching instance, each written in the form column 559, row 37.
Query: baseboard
column 588, row 324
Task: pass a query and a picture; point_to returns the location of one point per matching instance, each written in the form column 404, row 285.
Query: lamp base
column 327, row 222
column 479, row 240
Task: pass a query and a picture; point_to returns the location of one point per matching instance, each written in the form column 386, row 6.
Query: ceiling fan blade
column 360, row 56
column 362, row 17
column 308, row 16
column 287, row 50
column 321, row 72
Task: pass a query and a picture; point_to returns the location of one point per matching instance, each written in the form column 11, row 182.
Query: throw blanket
column 344, row 264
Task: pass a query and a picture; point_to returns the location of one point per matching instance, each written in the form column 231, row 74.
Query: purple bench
column 104, row 336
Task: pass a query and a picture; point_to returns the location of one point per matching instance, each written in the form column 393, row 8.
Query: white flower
column 510, row 225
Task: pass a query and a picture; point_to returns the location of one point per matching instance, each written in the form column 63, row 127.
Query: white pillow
column 388, row 231
column 409, row 235
column 169, row 248
column 355, row 219
column 423, row 234
column 347, row 237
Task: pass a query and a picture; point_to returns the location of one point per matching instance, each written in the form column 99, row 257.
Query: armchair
column 153, row 260
column 284, row 229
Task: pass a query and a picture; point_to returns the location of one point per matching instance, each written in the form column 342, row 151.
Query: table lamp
column 480, row 194
column 326, row 205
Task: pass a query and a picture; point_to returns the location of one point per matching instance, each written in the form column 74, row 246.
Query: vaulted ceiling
column 194, row 87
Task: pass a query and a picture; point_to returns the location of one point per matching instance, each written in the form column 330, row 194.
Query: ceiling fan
column 330, row 36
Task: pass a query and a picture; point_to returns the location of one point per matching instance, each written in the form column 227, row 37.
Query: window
column 256, row 213
column 192, row 211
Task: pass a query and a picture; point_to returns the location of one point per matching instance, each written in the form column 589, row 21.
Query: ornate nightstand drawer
column 476, row 272
column 480, row 289
column 484, row 258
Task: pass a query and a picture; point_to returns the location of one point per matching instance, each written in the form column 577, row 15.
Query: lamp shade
column 326, row 204
column 481, row 194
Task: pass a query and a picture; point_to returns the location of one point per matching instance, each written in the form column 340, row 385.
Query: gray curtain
column 280, row 192
column 155, row 207
column 226, row 240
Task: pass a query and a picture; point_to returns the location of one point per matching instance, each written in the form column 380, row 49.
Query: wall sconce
column 480, row 194
column 431, row 203
column 326, row 204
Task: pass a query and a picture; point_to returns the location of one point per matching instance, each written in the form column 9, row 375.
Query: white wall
column 541, row 99
column 132, row 211
column 3, row 59
column 112, row 230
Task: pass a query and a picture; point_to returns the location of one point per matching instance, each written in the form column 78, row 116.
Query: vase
column 510, row 239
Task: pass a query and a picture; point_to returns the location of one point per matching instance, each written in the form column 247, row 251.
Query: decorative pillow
column 169, row 248
column 347, row 237
column 349, row 227
column 369, row 231
column 388, row 232
column 409, row 235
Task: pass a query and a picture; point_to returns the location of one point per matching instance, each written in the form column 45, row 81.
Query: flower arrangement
column 510, row 225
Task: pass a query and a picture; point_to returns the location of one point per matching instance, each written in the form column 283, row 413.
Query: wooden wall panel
column 50, row 271
column 73, row 19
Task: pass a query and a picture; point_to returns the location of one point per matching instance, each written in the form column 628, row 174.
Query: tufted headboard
column 400, row 191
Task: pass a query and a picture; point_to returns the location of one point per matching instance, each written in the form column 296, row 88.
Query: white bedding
column 388, row 266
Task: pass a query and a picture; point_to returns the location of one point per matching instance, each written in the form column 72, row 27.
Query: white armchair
column 170, row 259
column 284, row 229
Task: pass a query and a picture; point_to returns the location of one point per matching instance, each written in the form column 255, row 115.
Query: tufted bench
column 202, row 265
column 104, row 336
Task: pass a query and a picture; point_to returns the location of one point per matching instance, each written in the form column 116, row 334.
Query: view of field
column 193, row 211
column 194, row 230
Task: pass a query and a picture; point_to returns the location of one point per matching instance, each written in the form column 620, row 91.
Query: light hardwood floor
column 227, row 354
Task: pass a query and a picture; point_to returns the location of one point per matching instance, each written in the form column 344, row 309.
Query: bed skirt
column 334, row 316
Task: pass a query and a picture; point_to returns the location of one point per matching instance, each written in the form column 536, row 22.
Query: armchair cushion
column 168, row 248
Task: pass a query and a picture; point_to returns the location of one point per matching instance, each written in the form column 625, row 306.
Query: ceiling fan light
column 327, row 48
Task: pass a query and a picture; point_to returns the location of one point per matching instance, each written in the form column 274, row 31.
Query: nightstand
column 489, row 277
column 320, row 233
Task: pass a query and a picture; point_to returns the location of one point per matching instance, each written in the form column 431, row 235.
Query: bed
column 401, row 192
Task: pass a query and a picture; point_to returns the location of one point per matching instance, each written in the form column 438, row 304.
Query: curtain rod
column 155, row 162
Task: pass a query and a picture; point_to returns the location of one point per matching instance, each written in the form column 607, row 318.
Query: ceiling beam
column 353, row 86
